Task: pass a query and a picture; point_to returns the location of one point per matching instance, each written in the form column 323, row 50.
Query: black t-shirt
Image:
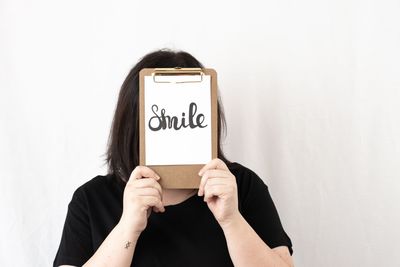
column 186, row 234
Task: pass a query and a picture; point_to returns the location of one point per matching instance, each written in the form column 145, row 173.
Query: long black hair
column 122, row 154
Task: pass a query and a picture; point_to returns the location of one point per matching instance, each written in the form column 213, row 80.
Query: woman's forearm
column 117, row 249
column 142, row 195
column 246, row 248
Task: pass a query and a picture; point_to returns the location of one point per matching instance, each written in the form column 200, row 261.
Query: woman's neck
column 176, row 196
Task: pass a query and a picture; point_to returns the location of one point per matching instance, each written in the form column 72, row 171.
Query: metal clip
column 178, row 72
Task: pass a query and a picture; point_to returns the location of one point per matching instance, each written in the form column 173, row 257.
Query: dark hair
column 122, row 154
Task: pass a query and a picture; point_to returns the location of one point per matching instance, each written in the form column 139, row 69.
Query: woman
column 126, row 219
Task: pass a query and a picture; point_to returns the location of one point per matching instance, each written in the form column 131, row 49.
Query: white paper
column 186, row 145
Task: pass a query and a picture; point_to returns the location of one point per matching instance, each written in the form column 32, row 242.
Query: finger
column 214, row 164
column 148, row 182
column 228, row 184
column 215, row 181
column 158, row 209
column 143, row 171
column 151, row 201
column 211, row 174
column 155, row 209
column 159, row 205
column 148, row 191
column 214, row 190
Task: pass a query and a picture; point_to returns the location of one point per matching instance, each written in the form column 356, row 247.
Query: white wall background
column 310, row 89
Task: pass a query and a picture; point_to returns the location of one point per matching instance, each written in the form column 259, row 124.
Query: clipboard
column 203, row 81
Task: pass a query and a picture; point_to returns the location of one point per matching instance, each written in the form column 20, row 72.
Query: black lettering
column 158, row 126
column 162, row 121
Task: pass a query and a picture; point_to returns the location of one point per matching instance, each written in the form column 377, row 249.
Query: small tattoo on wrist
column 128, row 244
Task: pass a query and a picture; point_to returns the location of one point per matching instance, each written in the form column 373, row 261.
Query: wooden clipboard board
column 178, row 176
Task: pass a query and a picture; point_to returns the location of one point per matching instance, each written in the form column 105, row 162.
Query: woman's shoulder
column 98, row 186
column 248, row 182
column 245, row 177
column 241, row 171
column 97, row 182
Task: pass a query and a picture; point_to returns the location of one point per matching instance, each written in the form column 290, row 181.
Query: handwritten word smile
column 162, row 121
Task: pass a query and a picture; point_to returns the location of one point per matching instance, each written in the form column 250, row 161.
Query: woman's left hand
column 218, row 185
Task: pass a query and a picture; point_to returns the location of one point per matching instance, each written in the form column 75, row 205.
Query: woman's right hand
column 142, row 194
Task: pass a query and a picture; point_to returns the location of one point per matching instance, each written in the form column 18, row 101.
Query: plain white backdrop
column 310, row 90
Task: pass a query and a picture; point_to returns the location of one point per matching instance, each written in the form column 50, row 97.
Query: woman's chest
column 195, row 240
column 186, row 234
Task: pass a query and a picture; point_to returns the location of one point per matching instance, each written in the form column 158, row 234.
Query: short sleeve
column 76, row 242
column 260, row 212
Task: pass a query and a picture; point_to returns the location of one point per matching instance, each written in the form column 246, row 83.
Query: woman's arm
column 246, row 248
column 117, row 249
column 142, row 194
